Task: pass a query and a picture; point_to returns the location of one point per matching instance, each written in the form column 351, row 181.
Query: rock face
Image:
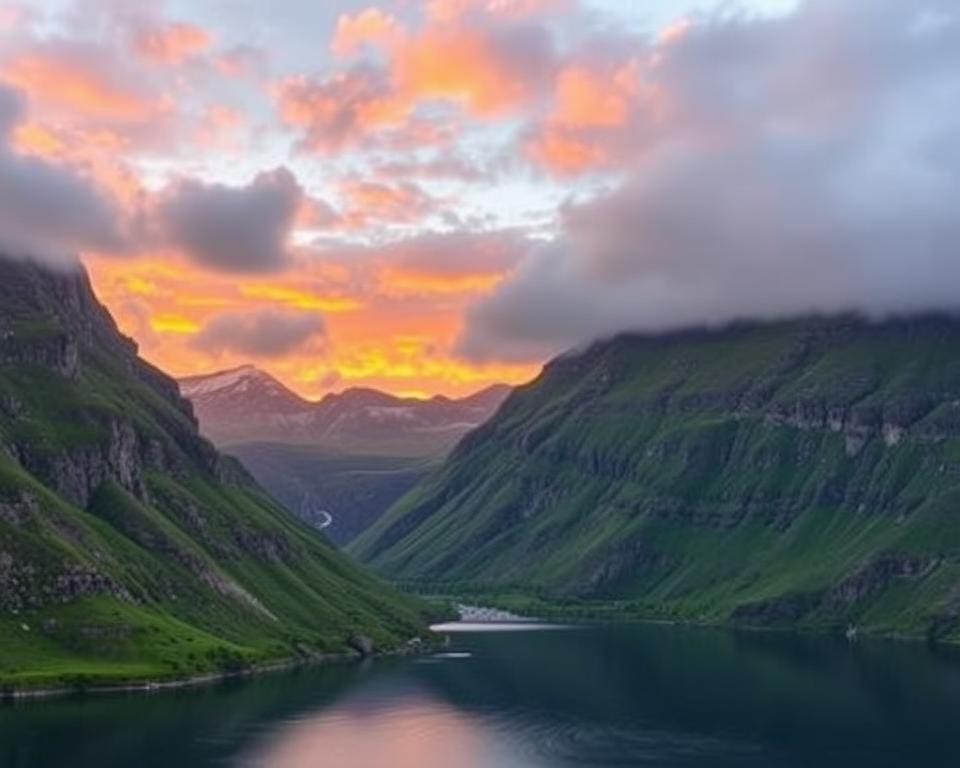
column 112, row 504
column 803, row 472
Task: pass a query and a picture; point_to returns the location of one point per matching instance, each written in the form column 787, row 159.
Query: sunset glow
column 351, row 198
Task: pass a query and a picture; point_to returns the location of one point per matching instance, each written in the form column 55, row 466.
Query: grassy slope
column 203, row 573
column 661, row 474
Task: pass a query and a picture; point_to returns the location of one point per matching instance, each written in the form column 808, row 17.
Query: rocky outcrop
column 24, row 585
column 76, row 473
column 841, row 599
column 19, row 510
column 58, row 353
column 623, row 560
column 362, row 645
column 874, row 577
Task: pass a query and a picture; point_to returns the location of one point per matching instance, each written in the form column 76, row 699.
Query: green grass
column 663, row 475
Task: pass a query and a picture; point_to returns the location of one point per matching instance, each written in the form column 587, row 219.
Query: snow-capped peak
column 237, row 379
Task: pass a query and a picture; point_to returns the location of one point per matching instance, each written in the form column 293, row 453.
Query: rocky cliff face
column 110, row 499
column 53, row 326
column 803, row 472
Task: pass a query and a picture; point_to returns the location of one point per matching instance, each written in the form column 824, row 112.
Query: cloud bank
column 806, row 163
column 263, row 334
column 235, row 229
column 47, row 210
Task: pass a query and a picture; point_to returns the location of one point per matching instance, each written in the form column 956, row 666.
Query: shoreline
column 160, row 685
column 493, row 615
column 13, row 695
column 601, row 613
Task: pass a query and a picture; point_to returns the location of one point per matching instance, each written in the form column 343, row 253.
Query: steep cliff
column 128, row 546
column 798, row 473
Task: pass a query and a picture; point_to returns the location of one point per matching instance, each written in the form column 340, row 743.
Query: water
column 601, row 696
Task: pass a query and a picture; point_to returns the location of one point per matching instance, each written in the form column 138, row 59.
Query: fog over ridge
column 807, row 164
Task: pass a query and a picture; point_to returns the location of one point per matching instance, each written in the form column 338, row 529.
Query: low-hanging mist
column 778, row 166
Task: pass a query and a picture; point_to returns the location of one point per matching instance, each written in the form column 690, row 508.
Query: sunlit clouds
column 430, row 196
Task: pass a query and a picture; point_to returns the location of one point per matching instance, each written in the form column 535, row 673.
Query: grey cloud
column 809, row 164
column 48, row 211
column 233, row 229
column 263, row 334
column 12, row 107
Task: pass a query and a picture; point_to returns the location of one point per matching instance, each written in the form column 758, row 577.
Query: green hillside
column 129, row 548
column 801, row 473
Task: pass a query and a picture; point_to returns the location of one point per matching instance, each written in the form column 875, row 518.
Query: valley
column 349, row 455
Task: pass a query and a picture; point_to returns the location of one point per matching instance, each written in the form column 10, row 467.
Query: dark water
column 612, row 696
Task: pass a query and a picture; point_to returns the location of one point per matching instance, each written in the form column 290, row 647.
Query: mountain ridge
column 246, row 404
column 799, row 473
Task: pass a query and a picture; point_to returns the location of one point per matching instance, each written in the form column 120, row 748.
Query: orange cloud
column 585, row 97
column 76, row 89
column 173, row 323
column 339, row 110
column 460, row 63
column 604, row 115
column 302, row 299
column 391, row 315
column 409, row 281
column 173, row 43
column 36, row 139
column 564, row 154
column 371, row 25
column 489, row 68
column 375, row 201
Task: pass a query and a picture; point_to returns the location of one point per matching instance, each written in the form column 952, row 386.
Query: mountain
column 802, row 473
column 248, row 405
column 247, row 394
column 341, row 462
column 129, row 548
column 341, row 493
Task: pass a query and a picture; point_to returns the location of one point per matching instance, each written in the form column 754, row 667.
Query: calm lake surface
column 582, row 696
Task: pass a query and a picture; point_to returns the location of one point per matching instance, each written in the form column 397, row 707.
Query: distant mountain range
column 339, row 463
column 247, row 404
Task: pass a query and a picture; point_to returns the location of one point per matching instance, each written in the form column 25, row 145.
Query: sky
column 429, row 196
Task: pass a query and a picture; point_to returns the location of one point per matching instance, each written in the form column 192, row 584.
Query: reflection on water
column 581, row 696
column 420, row 733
